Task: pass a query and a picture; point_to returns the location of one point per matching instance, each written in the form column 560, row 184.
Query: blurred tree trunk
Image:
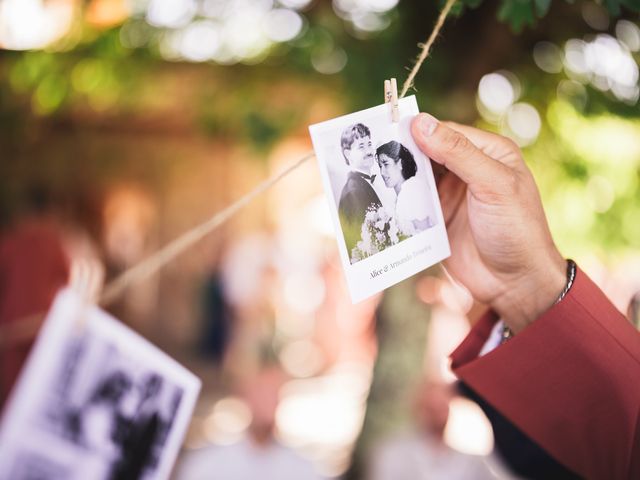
column 401, row 328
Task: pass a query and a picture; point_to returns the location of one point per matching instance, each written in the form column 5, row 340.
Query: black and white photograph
column 95, row 401
column 382, row 193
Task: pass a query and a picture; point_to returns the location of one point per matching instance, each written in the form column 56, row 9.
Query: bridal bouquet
column 379, row 231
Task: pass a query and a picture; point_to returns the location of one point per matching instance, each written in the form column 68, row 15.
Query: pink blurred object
column 33, row 267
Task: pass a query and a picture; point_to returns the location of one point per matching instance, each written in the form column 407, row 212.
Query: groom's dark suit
column 357, row 197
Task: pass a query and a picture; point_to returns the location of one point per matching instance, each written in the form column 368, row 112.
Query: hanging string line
column 170, row 251
column 426, row 48
column 150, row 265
column 166, row 254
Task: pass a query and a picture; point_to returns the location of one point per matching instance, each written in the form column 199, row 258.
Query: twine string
column 426, row 48
column 176, row 247
column 157, row 260
column 166, row 254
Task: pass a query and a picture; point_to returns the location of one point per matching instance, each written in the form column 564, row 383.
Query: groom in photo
column 358, row 195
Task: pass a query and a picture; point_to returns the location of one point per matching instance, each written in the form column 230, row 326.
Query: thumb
column 458, row 154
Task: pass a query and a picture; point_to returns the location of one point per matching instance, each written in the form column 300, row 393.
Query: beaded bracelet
column 571, row 276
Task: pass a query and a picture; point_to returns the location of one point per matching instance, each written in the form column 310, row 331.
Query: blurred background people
column 33, row 266
column 423, row 453
column 257, row 456
column 216, row 318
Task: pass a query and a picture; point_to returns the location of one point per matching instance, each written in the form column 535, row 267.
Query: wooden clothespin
column 391, row 96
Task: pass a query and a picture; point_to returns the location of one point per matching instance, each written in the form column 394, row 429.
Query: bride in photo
column 414, row 210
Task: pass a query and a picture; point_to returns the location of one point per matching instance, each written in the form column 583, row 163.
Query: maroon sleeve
column 570, row 381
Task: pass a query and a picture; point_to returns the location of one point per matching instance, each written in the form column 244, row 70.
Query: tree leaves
column 614, row 6
column 524, row 13
column 461, row 5
column 542, row 7
column 517, row 13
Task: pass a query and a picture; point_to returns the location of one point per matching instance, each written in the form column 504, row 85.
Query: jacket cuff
column 568, row 381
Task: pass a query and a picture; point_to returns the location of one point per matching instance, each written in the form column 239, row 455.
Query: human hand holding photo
column 501, row 247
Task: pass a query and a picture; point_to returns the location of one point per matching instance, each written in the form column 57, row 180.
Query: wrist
column 526, row 300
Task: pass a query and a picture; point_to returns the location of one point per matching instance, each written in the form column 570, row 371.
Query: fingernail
column 428, row 124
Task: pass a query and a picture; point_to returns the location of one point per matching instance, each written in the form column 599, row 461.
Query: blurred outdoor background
column 126, row 122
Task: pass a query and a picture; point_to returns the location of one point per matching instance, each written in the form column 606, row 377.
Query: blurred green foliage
column 92, row 75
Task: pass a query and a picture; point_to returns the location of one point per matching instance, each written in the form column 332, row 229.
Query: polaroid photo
column 95, row 400
column 382, row 197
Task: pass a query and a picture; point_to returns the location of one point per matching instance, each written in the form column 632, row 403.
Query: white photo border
column 408, row 257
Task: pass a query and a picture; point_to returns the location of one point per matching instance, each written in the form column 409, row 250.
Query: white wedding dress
column 414, row 208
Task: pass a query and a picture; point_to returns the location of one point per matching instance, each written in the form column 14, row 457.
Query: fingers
column 496, row 146
column 460, row 155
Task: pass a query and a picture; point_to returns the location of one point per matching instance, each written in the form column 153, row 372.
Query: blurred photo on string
column 96, row 401
column 259, row 455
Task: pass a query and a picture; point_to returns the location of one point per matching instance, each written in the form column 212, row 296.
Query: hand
column 501, row 246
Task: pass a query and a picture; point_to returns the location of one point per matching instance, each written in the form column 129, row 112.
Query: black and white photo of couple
column 381, row 195
column 95, row 400
column 369, row 224
column 117, row 416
